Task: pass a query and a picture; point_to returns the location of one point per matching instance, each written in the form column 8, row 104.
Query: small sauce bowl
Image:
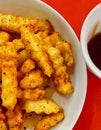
column 87, row 32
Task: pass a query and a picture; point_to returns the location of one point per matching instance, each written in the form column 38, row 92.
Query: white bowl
column 72, row 104
column 91, row 20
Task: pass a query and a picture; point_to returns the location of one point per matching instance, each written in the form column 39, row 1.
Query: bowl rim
column 91, row 66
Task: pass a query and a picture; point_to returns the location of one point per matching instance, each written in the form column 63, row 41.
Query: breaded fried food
column 46, row 106
column 9, row 76
column 31, row 94
column 3, row 125
column 61, row 77
column 13, row 23
column 4, row 37
column 19, row 45
column 14, row 120
column 54, row 56
column 63, row 46
column 32, row 79
column 33, row 59
column 8, row 50
column 32, row 44
column 60, row 54
column 56, row 41
column 22, row 56
column 66, row 52
column 27, row 66
column 50, row 40
column 9, row 83
column 48, row 121
column 2, row 114
column 18, row 114
column 0, row 67
column 62, row 81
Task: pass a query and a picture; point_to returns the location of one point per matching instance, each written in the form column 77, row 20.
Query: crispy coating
column 9, row 83
column 56, row 41
column 19, row 114
column 14, row 120
column 4, row 37
column 48, row 121
column 0, row 67
column 2, row 114
column 19, row 45
column 22, row 56
column 32, row 44
column 32, row 79
column 0, row 90
column 3, row 125
column 50, row 40
column 46, row 106
column 61, row 77
column 32, row 57
column 13, row 23
column 66, row 52
column 59, row 52
column 62, row 81
column 9, row 77
column 54, row 56
column 31, row 94
column 8, row 50
column 27, row 66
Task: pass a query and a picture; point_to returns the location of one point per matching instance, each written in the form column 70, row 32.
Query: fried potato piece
column 32, row 79
column 31, row 54
column 4, row 37
column 9, row 77
column 2, row 114
column 0, row 67
column 48, row 121
column 27, row 66
column 0, row 89
column 50, row 40
column 46, row 106
column 9, row 83
column 66, row 52
column 54, row 56
column 3, row 125
column 61, row 77
column 32, row 44
column 22, row 56
column 8, row 50
column 19, row 114
column 55, row 40
column 14, row 120
column 19, row 45
column 62, row 81
column 13, row 23
column 31, row 94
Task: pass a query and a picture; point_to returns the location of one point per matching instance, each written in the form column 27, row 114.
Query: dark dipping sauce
column 94, row 49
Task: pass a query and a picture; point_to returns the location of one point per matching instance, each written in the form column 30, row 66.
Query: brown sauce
column 94, row 49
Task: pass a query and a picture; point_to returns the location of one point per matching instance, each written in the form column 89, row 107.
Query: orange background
column 75, row 11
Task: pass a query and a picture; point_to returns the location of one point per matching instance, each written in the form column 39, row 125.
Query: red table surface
column 75, row 11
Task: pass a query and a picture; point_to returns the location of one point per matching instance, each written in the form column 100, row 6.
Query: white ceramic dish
column 72, row 104
column 91, row 20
